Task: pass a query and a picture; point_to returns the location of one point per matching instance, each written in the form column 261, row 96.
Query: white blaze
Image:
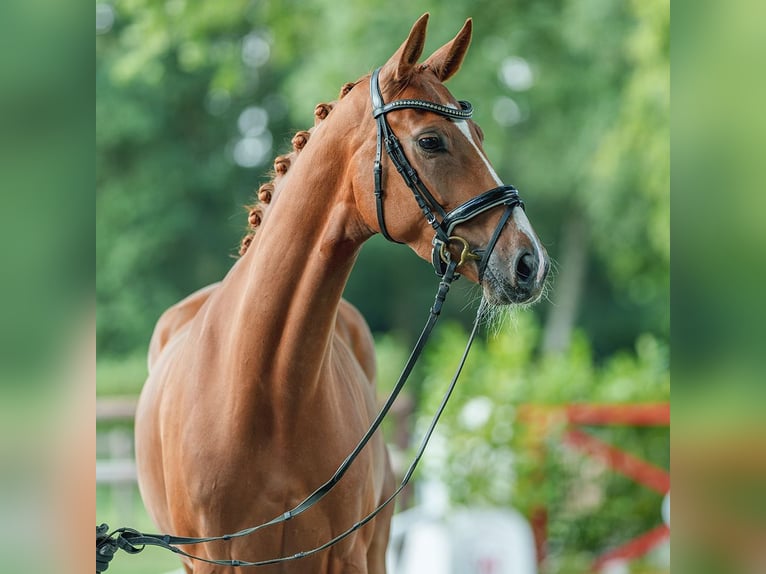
column 463, row 127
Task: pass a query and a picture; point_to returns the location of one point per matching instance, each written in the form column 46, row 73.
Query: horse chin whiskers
column 547, row 286
column 495, row 318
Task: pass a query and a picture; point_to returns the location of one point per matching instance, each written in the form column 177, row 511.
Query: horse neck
column 284, row 292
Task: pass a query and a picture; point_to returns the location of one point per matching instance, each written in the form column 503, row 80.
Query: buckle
column 465, row 255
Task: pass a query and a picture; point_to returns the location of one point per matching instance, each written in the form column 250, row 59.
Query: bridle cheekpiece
column 441, row 221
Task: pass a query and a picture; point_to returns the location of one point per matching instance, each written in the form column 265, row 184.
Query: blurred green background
column 194, row 99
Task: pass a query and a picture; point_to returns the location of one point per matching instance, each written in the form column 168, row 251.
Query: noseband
column 442, row 222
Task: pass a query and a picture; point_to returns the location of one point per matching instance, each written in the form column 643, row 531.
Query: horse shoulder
column 174, row 319
column 352, row 329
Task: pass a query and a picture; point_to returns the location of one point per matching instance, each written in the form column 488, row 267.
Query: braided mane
column 266, row 192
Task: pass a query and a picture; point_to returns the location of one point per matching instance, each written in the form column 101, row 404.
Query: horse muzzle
column 518, row 277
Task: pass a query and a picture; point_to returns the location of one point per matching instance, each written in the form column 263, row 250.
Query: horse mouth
column 506, row 291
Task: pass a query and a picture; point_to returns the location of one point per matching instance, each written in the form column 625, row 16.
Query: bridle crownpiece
column 442, row 222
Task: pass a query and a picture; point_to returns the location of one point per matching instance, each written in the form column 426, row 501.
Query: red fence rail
column 542, row 419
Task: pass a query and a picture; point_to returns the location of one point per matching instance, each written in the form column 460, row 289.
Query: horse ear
column 447, row 59
column 406, row 57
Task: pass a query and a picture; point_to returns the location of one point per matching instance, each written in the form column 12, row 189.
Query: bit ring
column 465, row 255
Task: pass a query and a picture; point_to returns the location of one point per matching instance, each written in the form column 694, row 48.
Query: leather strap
column 442, row 223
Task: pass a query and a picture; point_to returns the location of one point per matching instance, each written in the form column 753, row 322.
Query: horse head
column 438, row 203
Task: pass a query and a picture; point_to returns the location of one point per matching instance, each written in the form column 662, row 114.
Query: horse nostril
column 525, row 268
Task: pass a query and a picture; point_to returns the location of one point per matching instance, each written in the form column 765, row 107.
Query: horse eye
column 430, row 143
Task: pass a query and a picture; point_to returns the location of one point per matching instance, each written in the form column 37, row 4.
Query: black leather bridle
column 132, row 541
column 442, row 222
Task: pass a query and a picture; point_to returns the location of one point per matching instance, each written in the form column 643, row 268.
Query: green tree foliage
column 171, row 83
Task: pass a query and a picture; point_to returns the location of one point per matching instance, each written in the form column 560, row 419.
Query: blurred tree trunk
column 567, row 288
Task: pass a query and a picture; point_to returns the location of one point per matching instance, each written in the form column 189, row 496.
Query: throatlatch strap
column 395, row 152
column 445, row 223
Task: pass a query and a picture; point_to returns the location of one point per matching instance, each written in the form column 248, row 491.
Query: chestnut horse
column 262, row 384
